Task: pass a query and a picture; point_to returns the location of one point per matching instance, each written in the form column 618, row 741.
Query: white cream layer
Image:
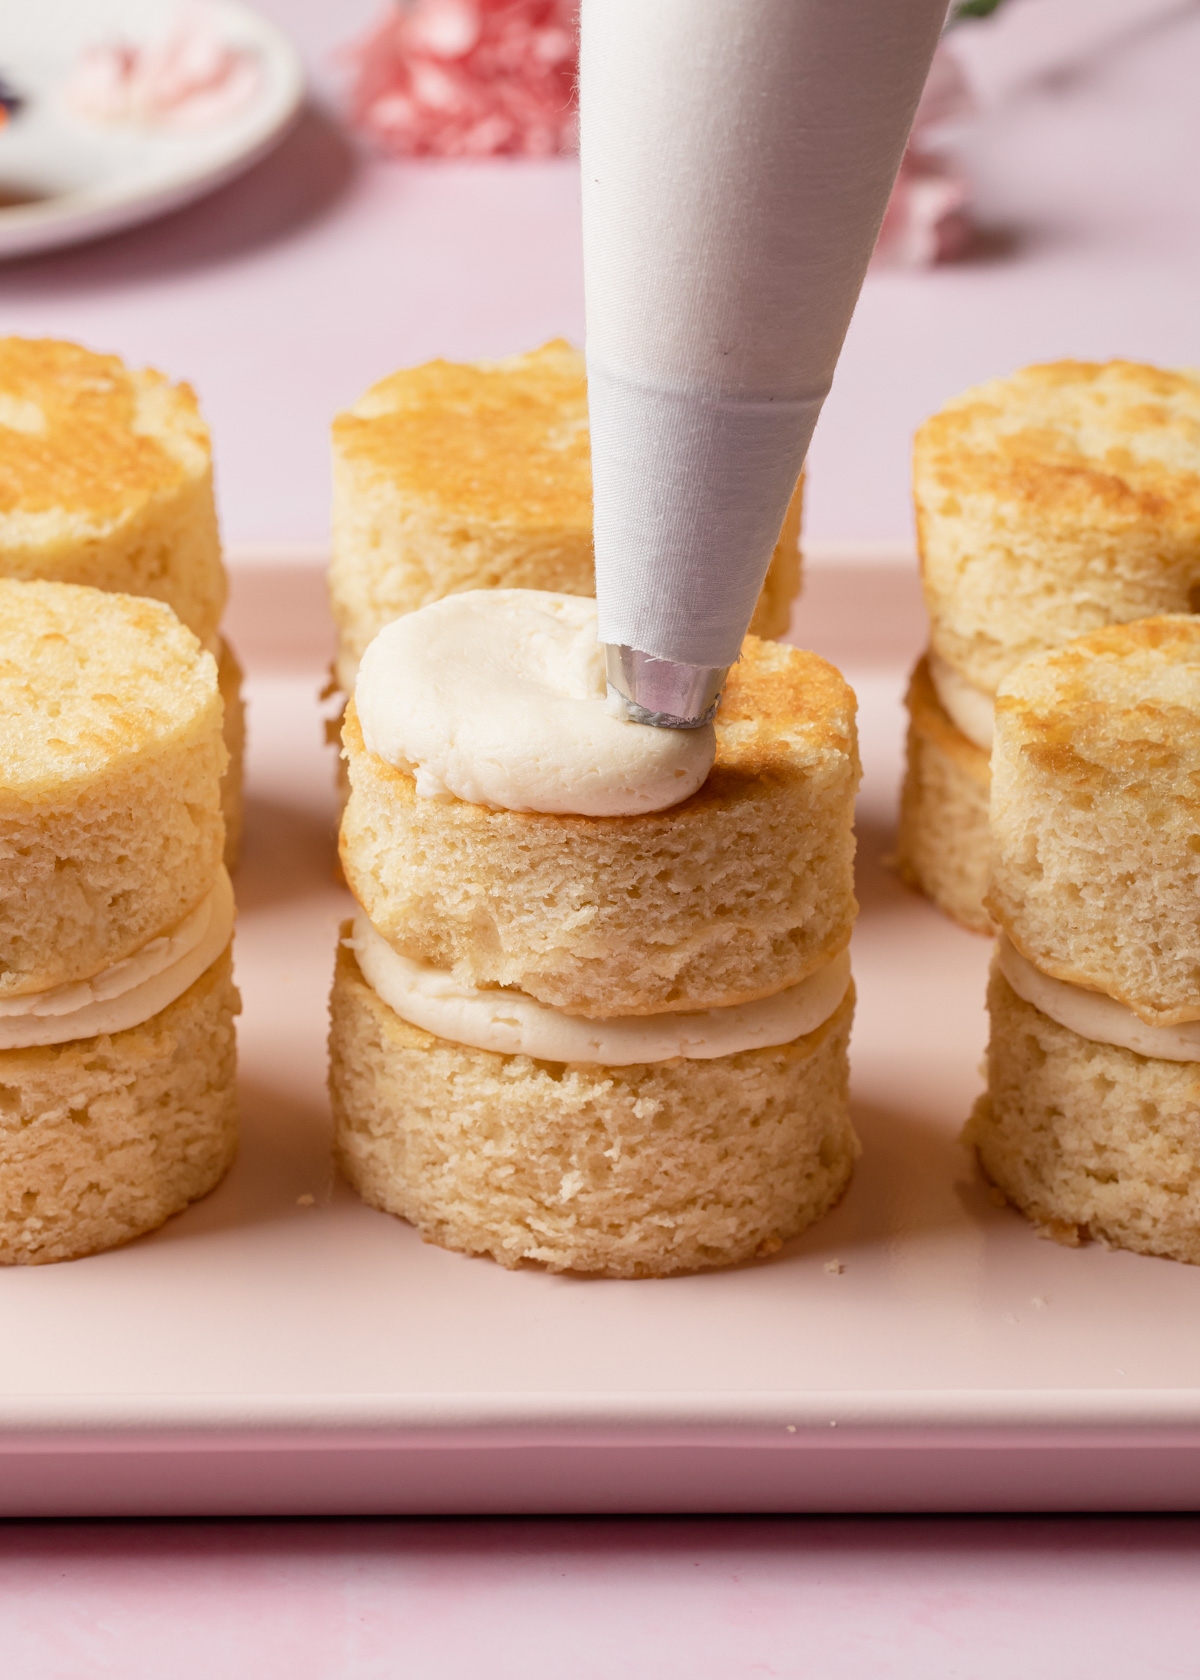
column 1092, row 1014
column 130, row 991
column 971, row 709
column 517, row 1025
column 498, row 697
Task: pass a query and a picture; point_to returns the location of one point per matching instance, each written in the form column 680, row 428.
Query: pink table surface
column 281, row 297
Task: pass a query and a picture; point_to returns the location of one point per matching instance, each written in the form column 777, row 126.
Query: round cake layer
column 629, row 1172
column 1087, row 1139
column 1052, row 502
column 477, row 475
column 106, row 479
column 110, row 765
column 942, row 843
column 741, row 890
column 104, row 1138
column 1095, row 815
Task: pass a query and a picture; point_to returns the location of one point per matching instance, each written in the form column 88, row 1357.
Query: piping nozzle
column 660, row 692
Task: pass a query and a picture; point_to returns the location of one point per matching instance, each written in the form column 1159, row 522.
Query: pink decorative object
column 927, row 219
column 191, row 77
column 469, row 78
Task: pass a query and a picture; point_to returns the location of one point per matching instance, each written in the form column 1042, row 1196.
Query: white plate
column 258, row 1355
column 63, row 180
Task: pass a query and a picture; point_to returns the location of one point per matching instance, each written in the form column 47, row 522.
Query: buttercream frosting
column 498, row 697
column 514, row 1024
column 127, row 992
column 970, row 709
column 1094, row 1015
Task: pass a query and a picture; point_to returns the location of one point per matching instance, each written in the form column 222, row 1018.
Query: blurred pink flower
column 928, row 218
column 191, row 76
column 469, row 78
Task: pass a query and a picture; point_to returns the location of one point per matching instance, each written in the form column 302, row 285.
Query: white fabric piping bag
column 737, row 157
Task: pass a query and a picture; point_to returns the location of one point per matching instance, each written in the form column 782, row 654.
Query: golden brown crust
column 69, row 432
column 110, row 764
column 106, row 480
column 1052, row 502
column 740, row 890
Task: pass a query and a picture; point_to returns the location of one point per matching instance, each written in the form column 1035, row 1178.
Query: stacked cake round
column 1049, row 504
column 106, row 480
column 1091, row 1123
column 116, row 998
column 477, row 475
column 635, row 1060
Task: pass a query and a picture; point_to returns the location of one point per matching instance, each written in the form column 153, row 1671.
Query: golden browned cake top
column 503, row 441
column 1115, row 441
column 783, row 710
column 782, row 704
column 82, row 434
column 87, row 680
column 1118, row 710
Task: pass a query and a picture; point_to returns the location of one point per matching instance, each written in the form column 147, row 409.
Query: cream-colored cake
column 1095, row 815
column 104, row 1138
column 110, row 759
column 631, row 1172
column 116, row 997
column 611, row 1042
column 738, row 892
column 1091, row 1123
column 477, row 475
column 1088, row 1139
column 106, row 480
column 1049, row 503
column 942, row 842
column 1053, row 502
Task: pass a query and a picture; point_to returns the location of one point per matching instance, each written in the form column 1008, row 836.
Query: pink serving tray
column 262, row 1355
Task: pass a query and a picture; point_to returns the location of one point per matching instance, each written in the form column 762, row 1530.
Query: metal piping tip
column 659, row 691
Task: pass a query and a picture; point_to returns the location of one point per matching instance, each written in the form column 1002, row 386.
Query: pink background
column 281, row 297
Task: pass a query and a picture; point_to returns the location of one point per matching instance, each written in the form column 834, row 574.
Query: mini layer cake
column 1048, row 504
column 605, row 1043
column 1091, row 1123
column 477, row 475
column 106, row 480
column 116, row 996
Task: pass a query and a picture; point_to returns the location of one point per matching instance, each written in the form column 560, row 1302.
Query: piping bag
column 737, row 157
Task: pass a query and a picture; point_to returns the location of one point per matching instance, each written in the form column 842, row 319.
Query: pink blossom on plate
column 190, row 77
column 468, row 78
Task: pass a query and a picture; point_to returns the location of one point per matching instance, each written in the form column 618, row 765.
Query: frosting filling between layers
column 514, row 1024
column 971, row 710
column 1094, row 1015
column 498, row 697
column 127, row 992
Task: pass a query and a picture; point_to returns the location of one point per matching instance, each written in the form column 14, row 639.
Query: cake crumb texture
column 737, row 892
column 626, row 1172
column 1089, row 1140
column 104, row 1138
column 1052, row 502
column 942, row 841
column 106, row 479
column 1095, row 815
column 233, row 731
column 110, row 764
column 477, row 475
